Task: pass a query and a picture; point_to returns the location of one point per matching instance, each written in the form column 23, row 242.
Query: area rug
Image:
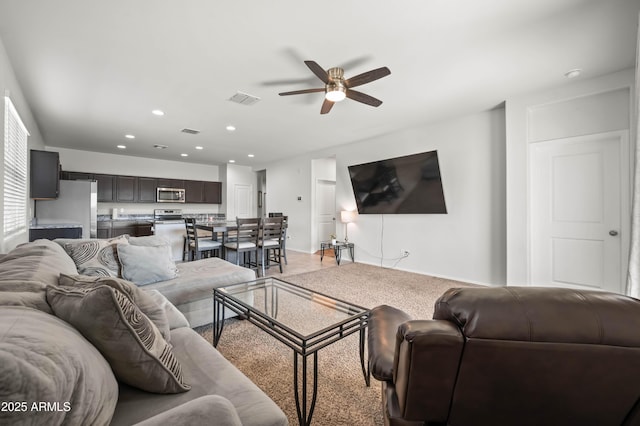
column 343, row 398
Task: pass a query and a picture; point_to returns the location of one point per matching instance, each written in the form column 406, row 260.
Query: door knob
column 613, row 232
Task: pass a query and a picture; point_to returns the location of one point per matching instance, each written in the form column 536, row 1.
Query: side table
column 337, row 249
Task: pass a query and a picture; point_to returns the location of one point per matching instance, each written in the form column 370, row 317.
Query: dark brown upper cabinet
column 194, row 191
column 126, row 188
column 212, row 193
column 134, row 189
column 171, row 183
column 106, row 187
column 147, row 189
column 45, row 175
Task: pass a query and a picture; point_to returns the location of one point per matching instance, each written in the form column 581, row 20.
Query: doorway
column 579, row 191
column 325, row 209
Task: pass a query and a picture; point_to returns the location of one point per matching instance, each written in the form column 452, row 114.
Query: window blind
column 15, row 172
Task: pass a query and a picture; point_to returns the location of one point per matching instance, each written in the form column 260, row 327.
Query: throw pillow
column 145, row 265
column 44, row 359
column 128, row 340
column 142, row 299
column 148, row 241
column 96, row 257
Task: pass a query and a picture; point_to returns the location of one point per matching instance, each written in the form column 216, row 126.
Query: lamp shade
column 348, row 216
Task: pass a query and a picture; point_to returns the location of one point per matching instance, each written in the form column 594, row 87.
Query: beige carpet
column 343, row 398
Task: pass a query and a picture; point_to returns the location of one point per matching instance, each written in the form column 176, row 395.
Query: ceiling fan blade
column 318, row 71
column 364, row 98
column 367, row 77
column 326, row 106
column 300, row 92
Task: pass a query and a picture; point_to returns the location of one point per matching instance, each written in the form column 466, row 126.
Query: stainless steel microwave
column 170, row 195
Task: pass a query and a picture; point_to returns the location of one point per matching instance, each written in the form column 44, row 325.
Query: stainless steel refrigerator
column 76, row 204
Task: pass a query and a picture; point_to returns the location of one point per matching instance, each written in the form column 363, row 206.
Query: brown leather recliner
column 510, row 356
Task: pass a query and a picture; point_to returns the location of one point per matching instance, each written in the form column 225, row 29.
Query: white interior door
column 242, row 200
column 578, row 193
column 326, row 208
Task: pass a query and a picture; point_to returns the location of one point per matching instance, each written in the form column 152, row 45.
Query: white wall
column 466, row 244
column 578, row 108
column 9, row 86
column 95, row 162
column 286, row 181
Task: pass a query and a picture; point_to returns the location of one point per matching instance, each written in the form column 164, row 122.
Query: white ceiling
column 92, row 71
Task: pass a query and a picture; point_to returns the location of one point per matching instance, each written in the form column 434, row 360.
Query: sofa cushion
column 96, row 257
column 39, row 261
column 196, row 280
column 146, row 264
column 199, row 411
column 44, row 359
column 174, row 316
column 132, row 344
column 209, row 373
column 142, row 299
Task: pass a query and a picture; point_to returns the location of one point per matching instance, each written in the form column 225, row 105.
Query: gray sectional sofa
column 80, row 350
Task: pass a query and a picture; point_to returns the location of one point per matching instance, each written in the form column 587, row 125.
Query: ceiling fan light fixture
column 336, row 92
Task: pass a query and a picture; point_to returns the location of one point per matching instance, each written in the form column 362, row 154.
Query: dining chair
column 271, row 242
column 198, row 245
column 245, row 242
column 285, row 225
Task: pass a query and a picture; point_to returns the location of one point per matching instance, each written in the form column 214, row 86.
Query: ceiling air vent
column 157, row 146
column 244, row 98
column 190, row 131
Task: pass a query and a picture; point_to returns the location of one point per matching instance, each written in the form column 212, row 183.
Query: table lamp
column 347, row 217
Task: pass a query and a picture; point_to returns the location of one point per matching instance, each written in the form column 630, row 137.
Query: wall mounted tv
column 401, row 185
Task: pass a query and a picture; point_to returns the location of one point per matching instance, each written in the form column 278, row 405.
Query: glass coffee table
column 302, row 319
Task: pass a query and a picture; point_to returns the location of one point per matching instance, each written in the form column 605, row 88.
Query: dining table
column 219, row 229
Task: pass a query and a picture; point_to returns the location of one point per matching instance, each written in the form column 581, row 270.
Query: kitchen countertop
column 55, row 225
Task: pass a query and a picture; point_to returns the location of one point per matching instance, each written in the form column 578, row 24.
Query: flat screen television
column 403, row 185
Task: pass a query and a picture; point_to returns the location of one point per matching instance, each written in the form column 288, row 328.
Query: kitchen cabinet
column 194, row 191
column 171, row 183
column 76, row 176
column 115, row 228
column 53, row 233
column 212, row 193
column 106, row 187
column 126, row 187
column 45, row 175
column 134, row 189
column 147, row 189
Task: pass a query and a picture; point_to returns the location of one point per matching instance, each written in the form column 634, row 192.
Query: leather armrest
column 383, row 326
column 428, row 354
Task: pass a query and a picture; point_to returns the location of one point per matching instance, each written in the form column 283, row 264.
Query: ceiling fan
column 337, row 88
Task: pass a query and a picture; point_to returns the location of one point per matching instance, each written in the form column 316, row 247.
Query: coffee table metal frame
column 303, row 345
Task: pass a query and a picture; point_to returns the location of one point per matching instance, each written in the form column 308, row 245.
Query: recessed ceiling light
column 122, row 147
column 129, row 136
column 231, row 128
column 199, row 147
column 250, row 155
column 184, row 155
column 232, row 161
column 157, row 112
column 573, row 73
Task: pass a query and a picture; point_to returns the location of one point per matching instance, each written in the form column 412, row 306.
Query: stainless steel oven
column 170, row 195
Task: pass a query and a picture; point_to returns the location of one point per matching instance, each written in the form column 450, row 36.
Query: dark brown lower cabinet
column 53, row 233
column 115, row 228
